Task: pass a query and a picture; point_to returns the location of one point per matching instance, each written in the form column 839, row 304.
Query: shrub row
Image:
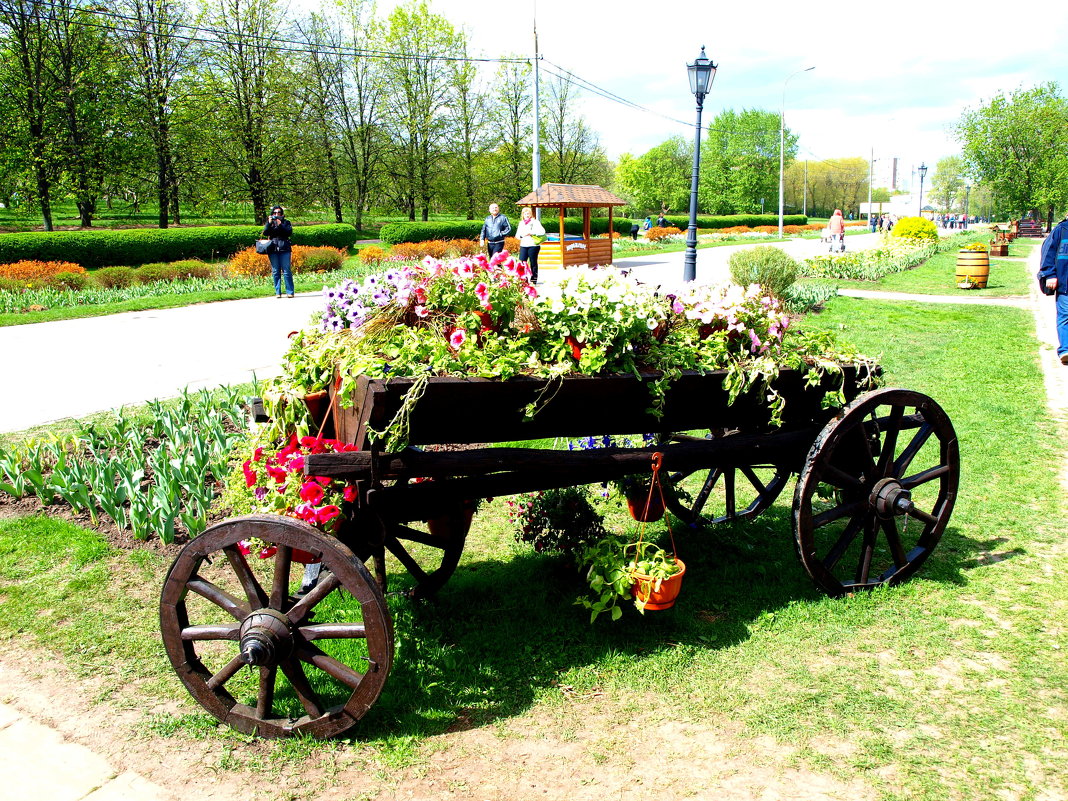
column 395, row 233
column 730, row 221
column 144, row 246
column 249, row 263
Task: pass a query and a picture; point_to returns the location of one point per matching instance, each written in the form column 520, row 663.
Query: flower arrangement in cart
column 474, row 316
column 275, row 480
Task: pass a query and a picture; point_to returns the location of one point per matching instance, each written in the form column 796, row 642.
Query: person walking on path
column 494, row 229
column 837, row 228
column 280, row 231
column 531, row 234
column 661, row 221
column 1053, row 271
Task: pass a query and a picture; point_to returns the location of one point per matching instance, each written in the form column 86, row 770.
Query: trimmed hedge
column 396, row 233
column 146, row 245
column 729, row 221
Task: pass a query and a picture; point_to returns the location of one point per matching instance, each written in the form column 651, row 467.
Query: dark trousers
column 494, row 247
column 530, row 256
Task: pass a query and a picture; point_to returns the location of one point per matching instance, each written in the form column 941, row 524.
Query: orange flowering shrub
column 305, row 259
column 372, row 256
column 435, row 248
column 408, row 250
column 249, row 264
column 511, row 244
column 38, row 273
column 655, row 234
column 462, row 247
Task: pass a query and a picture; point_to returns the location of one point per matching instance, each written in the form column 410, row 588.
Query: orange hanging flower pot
column 643, row 508
column 656, row 594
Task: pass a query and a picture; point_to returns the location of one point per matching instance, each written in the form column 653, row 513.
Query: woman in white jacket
column 531, row 234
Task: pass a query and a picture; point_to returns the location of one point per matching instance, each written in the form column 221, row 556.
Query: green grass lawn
column 937, row 276
column 952, row 685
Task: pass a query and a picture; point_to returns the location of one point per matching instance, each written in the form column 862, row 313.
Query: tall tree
column 512, row 115
column 421, row 45
column 158, row 52
column 467, row 131
column 659, row 179
column 27, row 82
column 740, row 162
column 573, row 153
column 247, row 93
column 947, row 183
column 1018, row 144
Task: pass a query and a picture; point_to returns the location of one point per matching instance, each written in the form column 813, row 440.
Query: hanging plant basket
column 657, row 594
column 643, row 508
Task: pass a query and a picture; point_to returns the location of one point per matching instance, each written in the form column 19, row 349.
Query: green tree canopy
column 740, row 162
column 1018, row 144
column 658, row 179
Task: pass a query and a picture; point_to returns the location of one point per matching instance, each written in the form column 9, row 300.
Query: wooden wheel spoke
column 327, row 664
column 218, row 596
column 253, row 591
column 283, row 562
column 406, row 559
column 265, row 696
column 892, row 426
column 309, row 699
column 930, row 474
column 841, row 479
column 728, row 488
column 706, row 490
column 754, row 479
column 423, row 538
column 893, row 540
column 333, row 631
column 867, row 550
column 301, row 609
column 918, row 440
column 212, row 631
column 228, row 672
column 838, row 512
column 842, row 544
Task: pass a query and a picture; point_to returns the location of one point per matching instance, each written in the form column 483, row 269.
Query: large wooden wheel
column 723, row 493
column 316, row 663
column 876, row 492
column 431, row 557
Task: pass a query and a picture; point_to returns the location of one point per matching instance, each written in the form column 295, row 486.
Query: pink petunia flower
column 458, row 337
column 327, row 513
column 312, row 492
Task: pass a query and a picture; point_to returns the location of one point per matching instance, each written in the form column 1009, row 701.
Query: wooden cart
column 876, row 485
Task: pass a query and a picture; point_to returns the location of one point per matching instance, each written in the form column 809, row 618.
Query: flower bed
column 479, row 317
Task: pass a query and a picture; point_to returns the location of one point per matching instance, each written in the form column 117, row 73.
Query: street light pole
column 967, row 191
column 922, row 170
column 702, row 72
column 782, row 138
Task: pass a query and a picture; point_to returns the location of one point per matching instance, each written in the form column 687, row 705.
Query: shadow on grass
column 502, row 633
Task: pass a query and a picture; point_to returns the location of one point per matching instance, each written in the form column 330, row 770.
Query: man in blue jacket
column 1053, row 270
column 495, row 228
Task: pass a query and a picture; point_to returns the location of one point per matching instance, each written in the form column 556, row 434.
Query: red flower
column 277, row 473
column 250, row 474
column 312, row 492
column 327, row 513
column 350, row 493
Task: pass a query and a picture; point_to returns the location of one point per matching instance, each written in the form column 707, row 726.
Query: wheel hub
column 266, row 637
column 889, row 498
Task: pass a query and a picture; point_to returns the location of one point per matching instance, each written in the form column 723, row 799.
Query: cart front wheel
column 259, row 654
column 876, row 492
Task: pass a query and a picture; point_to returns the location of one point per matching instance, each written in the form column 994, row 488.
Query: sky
column 890, row 79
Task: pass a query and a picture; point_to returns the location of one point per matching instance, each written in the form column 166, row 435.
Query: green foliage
column 731, row 220
column 915, row 228
column 143, row 246
column 610, row 565
column 556, row 520
column 1018, row 145
column 740, row 161
column 114, row 277
column 659, row 178
column 395, row 233
column 802, row 298
column 70, row 280
column 770, row 267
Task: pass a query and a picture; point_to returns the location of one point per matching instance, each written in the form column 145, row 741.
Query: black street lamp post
column 702, row 73
column 922, row 170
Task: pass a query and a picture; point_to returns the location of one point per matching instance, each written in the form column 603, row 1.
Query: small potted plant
column 619, row 569
column 556, row 520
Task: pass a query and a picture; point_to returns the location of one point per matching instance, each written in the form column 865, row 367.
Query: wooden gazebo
column 564, row 250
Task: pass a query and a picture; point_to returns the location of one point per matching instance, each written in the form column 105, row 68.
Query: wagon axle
column 889, row 498
column 266, row 638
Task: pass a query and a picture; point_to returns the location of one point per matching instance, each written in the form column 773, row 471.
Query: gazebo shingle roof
column 571, row 196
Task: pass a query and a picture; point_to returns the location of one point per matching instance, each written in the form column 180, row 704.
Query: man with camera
column 279, row 231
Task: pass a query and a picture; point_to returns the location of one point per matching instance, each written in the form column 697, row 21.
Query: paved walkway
column 159, row 352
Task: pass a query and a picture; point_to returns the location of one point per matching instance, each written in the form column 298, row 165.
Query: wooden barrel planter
column 973, row 266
